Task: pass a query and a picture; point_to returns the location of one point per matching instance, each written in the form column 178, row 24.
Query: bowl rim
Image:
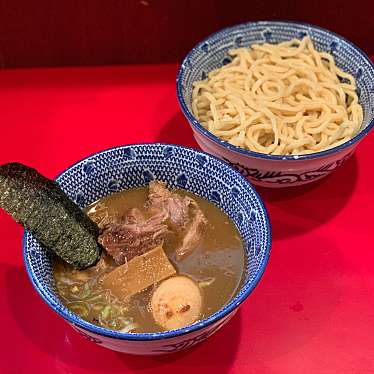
column 219, row 315
column 222, row 143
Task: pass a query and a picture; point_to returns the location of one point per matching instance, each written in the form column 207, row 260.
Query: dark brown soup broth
column 217, row 265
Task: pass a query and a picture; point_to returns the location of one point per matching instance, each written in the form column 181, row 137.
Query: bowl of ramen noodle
column 284, row 103
column 183, row 240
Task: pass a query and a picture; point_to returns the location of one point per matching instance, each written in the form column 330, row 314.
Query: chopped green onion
column 79, row 308
column 206, row 283
column 106, row 312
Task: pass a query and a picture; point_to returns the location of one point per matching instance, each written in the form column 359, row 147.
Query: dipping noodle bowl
column 284, row 103
column 184, row 239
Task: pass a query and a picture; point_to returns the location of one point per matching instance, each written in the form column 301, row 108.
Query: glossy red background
column 313, row 311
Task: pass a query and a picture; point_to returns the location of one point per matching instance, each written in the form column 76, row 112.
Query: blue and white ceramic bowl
column 259, row 168
column 133, row 166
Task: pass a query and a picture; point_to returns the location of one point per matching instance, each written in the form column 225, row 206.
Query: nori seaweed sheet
column 43, row 208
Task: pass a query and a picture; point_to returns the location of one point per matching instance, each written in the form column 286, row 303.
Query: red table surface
column 312, row 312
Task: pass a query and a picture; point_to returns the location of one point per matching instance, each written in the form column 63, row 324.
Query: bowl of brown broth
column 185, row 240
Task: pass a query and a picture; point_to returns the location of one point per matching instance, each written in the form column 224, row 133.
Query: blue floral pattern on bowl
column 133, row 166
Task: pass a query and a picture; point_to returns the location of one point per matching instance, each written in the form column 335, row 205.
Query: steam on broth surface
column 196, row 268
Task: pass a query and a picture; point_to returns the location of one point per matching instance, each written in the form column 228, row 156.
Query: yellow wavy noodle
column 280, row 99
